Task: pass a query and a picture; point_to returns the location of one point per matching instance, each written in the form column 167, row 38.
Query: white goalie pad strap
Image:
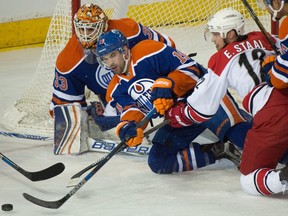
column 70, row 129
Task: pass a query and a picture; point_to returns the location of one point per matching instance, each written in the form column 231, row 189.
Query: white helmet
column 226, row 20
column 90, row 22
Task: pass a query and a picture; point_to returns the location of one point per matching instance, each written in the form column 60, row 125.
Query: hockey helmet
column 90, row 22
column 226, row 20
column 110, row 41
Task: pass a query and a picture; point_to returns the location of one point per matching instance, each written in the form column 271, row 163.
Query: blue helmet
column 109, row 42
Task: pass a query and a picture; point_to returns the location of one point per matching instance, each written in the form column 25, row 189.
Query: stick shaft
column 261, row 27
column 56, row 204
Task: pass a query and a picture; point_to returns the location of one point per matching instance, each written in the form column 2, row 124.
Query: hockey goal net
column 182, row 20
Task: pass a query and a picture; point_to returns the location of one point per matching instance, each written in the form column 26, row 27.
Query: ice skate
column 228, row 151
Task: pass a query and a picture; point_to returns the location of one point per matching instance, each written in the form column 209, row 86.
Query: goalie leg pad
column 70, row 129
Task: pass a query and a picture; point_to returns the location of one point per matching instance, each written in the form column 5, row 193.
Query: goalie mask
column 224, row 21
column 90, row 22
column 109, row 42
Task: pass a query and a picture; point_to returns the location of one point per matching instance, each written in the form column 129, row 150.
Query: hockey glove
column 162, row 95
column 105, row 123
column 177, row 116
column 267, row 65
column 95, row 108
column 128, row 129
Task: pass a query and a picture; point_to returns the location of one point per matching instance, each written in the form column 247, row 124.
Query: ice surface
column 124, row 186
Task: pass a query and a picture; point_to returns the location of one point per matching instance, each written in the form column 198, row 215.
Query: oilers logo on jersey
column 103, row 76
column 140, row 91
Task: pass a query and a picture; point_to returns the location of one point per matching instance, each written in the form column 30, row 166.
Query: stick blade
column 78, row 175
column 47, row 173
column 73, row 182
column 81, row 172
column 43, row 203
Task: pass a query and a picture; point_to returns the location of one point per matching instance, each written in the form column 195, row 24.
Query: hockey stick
column 261, row 27
column 56, row 204
column 47, row 173
column 74, row 179
column 25, row 136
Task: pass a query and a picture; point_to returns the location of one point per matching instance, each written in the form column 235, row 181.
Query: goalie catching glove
column 162, row 95
column 128, row 130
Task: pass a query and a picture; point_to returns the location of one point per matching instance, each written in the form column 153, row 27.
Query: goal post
column 183, row 20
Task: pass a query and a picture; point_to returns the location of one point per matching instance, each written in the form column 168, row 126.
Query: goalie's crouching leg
column 70, row 129
column 172, row 150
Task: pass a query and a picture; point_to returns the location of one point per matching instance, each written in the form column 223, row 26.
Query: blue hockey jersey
column 73, row 71
column 150, row 60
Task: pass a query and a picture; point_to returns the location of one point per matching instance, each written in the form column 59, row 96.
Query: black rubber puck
column 7, row 207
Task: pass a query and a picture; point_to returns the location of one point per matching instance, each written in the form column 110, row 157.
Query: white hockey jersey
column 236, row 66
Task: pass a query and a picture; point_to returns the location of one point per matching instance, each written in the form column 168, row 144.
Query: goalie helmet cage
column 182, row 20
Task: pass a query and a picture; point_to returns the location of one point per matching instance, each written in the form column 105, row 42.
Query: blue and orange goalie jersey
column 150, row 60
column 74, row 71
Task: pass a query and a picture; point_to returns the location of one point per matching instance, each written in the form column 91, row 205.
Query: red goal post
column 182, row 20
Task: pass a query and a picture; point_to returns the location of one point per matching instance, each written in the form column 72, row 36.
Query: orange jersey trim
column 232, row 109
column 181, row 87
column 283, row 29
column 113, row 83
column 186, row 159
column 69, row 56
column 132, row 115
column 145, row 48
column 277, row 83
column 126, row 25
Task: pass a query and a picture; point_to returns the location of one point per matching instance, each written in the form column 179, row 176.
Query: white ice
column 124, row 186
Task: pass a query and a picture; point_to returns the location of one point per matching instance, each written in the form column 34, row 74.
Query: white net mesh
column 182, row 20
column 31, row 112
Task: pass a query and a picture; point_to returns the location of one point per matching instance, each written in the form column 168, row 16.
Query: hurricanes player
column 151, row 65
column 77, row 68
column 237, row 64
